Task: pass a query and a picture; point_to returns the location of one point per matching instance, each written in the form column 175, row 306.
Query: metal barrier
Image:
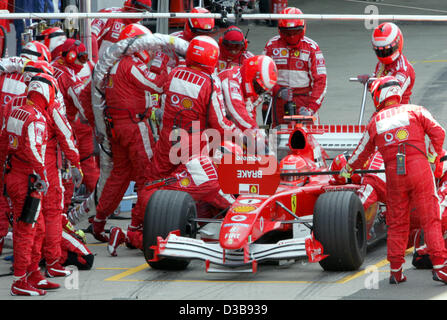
column 4, row 14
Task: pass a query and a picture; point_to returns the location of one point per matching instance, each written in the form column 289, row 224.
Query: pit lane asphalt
column 346, row 47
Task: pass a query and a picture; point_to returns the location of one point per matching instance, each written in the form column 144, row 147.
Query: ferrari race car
column 279, row 215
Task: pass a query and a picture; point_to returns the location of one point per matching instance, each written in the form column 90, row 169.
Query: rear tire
column 166, row 211
column 339, row 224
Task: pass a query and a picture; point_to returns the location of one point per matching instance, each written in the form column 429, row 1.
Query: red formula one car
column 277, row 215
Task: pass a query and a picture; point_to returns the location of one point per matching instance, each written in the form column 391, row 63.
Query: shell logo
column 185, row 182
column 402, row 134
column 187, row 103
column 284, row 52
column 243, row 209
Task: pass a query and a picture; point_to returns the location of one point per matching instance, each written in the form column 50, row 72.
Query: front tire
column 166, row 211
column 340, row 225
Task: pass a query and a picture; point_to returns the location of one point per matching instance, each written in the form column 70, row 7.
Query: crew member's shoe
column 440, row 273
column 56, row 270
column 396, row 276
column 21, row 287
column 117, row 237
column 37, row 280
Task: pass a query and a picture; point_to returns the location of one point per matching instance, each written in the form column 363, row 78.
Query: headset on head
column 71, row 55
column 233, row 29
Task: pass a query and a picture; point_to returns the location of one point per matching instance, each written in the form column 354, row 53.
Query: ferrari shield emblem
column 293, row 202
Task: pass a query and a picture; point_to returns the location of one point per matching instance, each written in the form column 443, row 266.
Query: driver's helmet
column 293, row 163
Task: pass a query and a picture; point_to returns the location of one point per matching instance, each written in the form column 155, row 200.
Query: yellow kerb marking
column 128, row 272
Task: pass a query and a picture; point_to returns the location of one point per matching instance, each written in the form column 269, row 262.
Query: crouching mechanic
column 128, row 96
column 23, row 142
column 398, row 131
column 301, row 68
column 198, row 177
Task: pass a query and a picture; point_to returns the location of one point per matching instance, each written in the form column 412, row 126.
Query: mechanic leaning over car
column 387, row 42
column 398, row 131
column 129, row 133
column 243, row 89
column 233, row 48
column 301, row 68
column 193, row 103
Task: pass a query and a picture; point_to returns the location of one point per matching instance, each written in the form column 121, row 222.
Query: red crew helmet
column 198, row 26
column 42, row 90
column 34, row 50
column 203, row 52
column 384, row 89
column 52, row 38
column 259, row 74
column 136, row 30
column 292, row 30
column 233, row 43
column 387, row 42
column 31, row 68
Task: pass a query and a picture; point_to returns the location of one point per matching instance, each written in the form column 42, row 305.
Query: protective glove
column 363, row 78
column 98, row 230
column 304, row 111
column 76, row 176
column 41, row 184
column 431, row 157
column 346, row 172
column 285, row 94
column 156, row 115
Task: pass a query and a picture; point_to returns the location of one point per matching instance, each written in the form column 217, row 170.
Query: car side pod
column 314, row 249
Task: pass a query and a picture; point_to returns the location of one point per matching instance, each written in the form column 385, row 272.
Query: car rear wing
column 337, row 138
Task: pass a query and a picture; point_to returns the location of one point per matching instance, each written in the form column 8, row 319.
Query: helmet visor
column 290, row 32
column 257, row 87
column 83, row 57
column 233, row 46
column 386, row 51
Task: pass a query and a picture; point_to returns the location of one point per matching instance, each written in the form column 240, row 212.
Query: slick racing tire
column 166, row 211
column 339, row 224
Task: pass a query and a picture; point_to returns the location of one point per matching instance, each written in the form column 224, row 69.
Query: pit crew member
column 243, row 89
column 301, row 67
column 233, row 49
column 387, row 42
column 399, row 131
column 129, row 91
column 23, row 141
column 107, row 31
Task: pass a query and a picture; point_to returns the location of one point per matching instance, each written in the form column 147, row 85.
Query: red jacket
column 403, row 71
column 131, row 88
column 240, row 108
column 24, row 137
column 396, row 125
column 70, row 85
column 60, row 133
column 301, row 67
column 106, row 32
column 230, row 62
